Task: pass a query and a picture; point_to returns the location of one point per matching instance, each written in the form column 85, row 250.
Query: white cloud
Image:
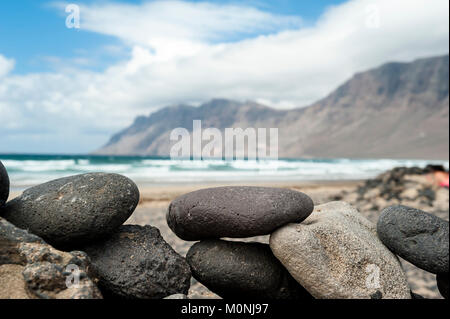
column 180, row 53
column 6, row 65
column 176, row 28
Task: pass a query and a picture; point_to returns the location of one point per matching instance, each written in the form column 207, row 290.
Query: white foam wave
column 30, row 172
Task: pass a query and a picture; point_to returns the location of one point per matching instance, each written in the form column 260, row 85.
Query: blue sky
column 68, row 90
column 33, row 32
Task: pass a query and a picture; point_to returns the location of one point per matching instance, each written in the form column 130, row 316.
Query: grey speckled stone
column 236, row 212
column 336, row 254
column 442, row 283
column 242, row 270
column 136, row 263
column 4, row 185
column 418, row 237
column 10, row 238
column 43, row 270
column 73, row 210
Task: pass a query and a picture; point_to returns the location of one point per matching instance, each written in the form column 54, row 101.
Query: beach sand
column 156, row 199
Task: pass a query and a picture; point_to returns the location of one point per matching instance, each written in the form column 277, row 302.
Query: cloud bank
column 183, row 52
column 6, row 65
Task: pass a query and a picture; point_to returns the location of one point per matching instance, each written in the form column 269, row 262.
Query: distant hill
column 398, row 110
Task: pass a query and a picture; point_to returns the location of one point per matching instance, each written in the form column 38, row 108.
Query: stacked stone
column 418, row 237
column 327, row 252
column 238, row 269
column 84, row 214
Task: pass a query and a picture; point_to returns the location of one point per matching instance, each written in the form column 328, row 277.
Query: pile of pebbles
column 237, row 269
column 410, row 186
column 327, row 251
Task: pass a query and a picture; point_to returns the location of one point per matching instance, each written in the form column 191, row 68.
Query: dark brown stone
column 242, row 270
column 236, row 212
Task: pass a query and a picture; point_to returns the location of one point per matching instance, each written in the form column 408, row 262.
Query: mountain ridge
column 397, row 110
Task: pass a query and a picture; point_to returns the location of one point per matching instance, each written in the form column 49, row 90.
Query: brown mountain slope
column 399, row 110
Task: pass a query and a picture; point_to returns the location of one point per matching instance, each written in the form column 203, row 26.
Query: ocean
column 29, row 170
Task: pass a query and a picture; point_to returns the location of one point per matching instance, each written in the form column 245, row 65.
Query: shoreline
column 154, row 192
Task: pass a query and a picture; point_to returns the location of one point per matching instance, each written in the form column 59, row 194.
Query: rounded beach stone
column 336, row 254
column 74, row 210
column 136, row 262
column 236, row 212
column 4, row 185
column 416, row 236
column 442, row 283
column 242, row 270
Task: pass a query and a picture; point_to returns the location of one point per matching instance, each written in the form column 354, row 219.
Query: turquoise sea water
column 27, row 170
